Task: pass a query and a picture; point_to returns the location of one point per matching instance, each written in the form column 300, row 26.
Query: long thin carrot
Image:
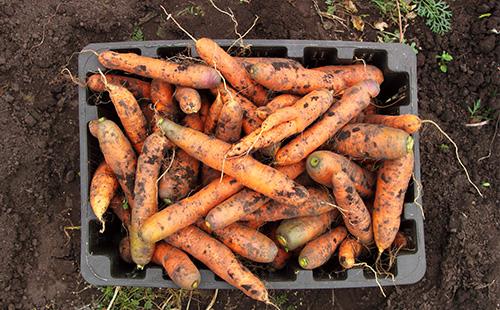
column 354, row 100
column 162, row 97
column 189, row 75
column 349, row 251
column 321, row 165
column 407, row 122
column 229, row 123
column 220, row 260
column 318, row 251
column 353, row 74
column 372, row 141
column 189, row 99
column 392, row 182
column 102, row 189
column 246, row 170
column 231, row 69
column 146, row 195
column 139, row 88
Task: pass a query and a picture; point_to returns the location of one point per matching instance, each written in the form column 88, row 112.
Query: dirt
column 39, row 183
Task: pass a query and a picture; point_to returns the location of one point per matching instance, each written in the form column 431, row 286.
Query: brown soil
column 39, row 187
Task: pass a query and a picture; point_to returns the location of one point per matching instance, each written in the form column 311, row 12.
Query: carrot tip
column 195, row 284
column 102, row 119
column 409, row 144
column 314, row 162
column 281, row 240
column 303, row 262
column 140, row 267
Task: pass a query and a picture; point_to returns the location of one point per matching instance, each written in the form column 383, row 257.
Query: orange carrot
column 140, row 89
column 354, row 100
column 369, row 110
column 322, row 164
column 349, row 251
column 400, row 241
column 277, row 103
column 189, row 99
column 189, row 75
column 231, row 69
column 218, row 258
column 407, row 122
column 248, row 62
column 124, row 250
column 162, row 97
column 208, row 175
column 294, row 233
column 146, row 195
column 244, row 202
column 282, row 256
column 307, row 110
column 229, row 122
column 246, row 170
column 213, row 115
column 371, row 141
column 253, row 224
column 121, row 209
column 205, row 108
column 118, row 154
column 178, row 266
column 318, row 251
column 357, row 219
column 353, row 74
column 102, row 189
column 392, row 182
column 247, row 242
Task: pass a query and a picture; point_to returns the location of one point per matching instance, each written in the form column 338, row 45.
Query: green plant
column 131, row 298
column 478, row 112
column 485, row 15
column 389, row 9
column 444, row 147
column 437, row 15
column 194, row 10
column 280, row 299
column 444, row 59
column 485, row 184
column 330, row 6
column 137, row 34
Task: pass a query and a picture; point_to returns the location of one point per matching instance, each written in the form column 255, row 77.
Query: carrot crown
column 409, row 144
column 314, row 162
column 303, row 262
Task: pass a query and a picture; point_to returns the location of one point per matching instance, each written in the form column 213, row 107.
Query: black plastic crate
column 100, row 262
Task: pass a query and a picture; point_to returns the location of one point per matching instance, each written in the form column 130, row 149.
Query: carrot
column 293, row 233
column 247, row 242
column 244, row 202
column 407, row 122
column 189, row 99
column 231, row 69
column 118, row 154
column 277, row 103
column 289, row 77
column 253, row 224
column 319, row 202
column 282, row 256
column 124, row 250
column 186, row 211
column 208, row 175
column 229, row 123
column 102, row 189
column 371, row 141
column 318, row 251
column 162, row 97
column 283, row 123
column 146, row 195
column 354, row 100
column 400, row 241
column 178, row 266
column 205, row 108
column 353, row 74
column 349, row 251
column 248, row 62
column 392, row 182
column 121, row 209
column 150, row 116
column 322, row 164
column 140, row 89
column 245, row 170
column 369, row 110
column 189, row 75
column 130, row 114
column 218, row 258
column 213, row 115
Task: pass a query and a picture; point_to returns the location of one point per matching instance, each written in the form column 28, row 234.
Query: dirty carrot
column 282, row 256
column 189, row 99
column 369, row 110
column 400, row 241
column 213, row 115
column 232, row 70
column 124, row 250
column 178, row 266
column 162, row 98
column 318, row 251
column 353, row 74
column 102, row 189
column 205, row 108
column 275, row 104
column 139, row 88
column 392, row 182
column 372, row 141
column 218, row 258
column 189, row 75
column 349, row 251
column 229, row 123
column 248, row 62
column 321, row 165
column 247, row 242
column 121, row 209
column 245, row 170
column 407, row 122
column 146, row 195
column 117, row 152
column 354, row 100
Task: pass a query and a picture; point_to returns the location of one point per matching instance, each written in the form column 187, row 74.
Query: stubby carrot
column 231, row 69
column 139, row 88
column 246, row 170
column 121, row 209
column 407, row 122
column 354, row 100
column 146, row 195
column 189, row 99
column 247, row 242
column 189, row 75
column 218, row 258
column 275, row 104
column 352, row 74
column 102, row 189
column 321, row 165
column 371, row 141
column 349, row 251
column 162, row 98
column 318, row 251
column 117, row 152
column 178, row 266
column 229, row 123
column 392, row 182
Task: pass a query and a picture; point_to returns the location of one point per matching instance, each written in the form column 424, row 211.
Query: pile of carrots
column 259, row 158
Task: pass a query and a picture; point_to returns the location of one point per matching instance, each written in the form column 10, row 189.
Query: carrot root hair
column 419, row 195
column 365, row 265
column 169, row 165
column 169, row 16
